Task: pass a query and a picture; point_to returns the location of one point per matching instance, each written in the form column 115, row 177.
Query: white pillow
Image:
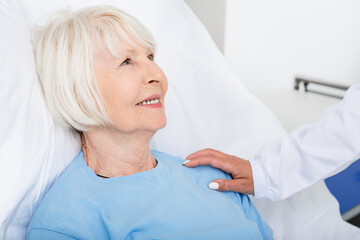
column 33, row 151
column 206, row 105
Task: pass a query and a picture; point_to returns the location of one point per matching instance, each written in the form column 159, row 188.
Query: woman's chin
column 155, row 125
column 162, row 123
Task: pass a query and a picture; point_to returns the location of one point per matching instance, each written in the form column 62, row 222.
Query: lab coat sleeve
column 310, row 153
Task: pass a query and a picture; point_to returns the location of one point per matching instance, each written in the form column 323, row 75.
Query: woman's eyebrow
column 123, row 54
column 150, row 51
column 130, row 51
column 127, row 51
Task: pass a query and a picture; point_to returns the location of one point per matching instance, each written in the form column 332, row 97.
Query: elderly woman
column 98, row 75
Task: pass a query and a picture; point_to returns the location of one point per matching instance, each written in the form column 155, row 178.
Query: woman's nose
column 154, row 74
column 153, row 81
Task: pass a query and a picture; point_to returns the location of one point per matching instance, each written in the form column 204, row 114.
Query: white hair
column 64, row 53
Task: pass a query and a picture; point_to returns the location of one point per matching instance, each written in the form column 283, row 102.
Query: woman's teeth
column 152, row 101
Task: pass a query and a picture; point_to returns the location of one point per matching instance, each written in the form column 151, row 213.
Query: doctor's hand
column 238, row 168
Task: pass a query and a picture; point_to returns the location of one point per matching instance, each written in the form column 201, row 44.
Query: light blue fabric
column 169, row 201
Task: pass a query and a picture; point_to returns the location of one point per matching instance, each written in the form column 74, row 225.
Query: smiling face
column 133, row 88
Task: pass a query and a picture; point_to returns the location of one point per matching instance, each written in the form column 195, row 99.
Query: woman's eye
column 126, row 62
column 151, row 57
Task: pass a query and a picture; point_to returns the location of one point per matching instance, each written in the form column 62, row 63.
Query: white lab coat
column 310, row 153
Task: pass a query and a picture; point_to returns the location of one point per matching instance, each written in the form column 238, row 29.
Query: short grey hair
column 64, row 53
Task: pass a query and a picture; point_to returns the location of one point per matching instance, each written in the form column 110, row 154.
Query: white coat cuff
column 261, row 179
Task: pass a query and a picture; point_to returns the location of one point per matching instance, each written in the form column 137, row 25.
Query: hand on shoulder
column 239, row 169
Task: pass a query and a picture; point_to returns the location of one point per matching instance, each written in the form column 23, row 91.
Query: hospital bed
column 206, row 106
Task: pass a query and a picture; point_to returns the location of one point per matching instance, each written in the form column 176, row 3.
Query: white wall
column 212, row 14
column 267, row 43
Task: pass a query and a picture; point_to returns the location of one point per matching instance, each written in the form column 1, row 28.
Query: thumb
column 234, row 185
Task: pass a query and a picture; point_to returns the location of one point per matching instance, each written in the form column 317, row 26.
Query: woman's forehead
column 119, row 39
column 120, row 50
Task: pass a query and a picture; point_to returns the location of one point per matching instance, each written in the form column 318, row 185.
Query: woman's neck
column 113, row 154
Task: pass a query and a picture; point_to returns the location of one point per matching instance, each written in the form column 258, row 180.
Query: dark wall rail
column 306, row 83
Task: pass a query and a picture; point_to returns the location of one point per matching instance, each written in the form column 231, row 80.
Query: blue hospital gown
column 169, row 201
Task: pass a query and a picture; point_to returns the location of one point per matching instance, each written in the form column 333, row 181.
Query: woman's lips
column 151, row 102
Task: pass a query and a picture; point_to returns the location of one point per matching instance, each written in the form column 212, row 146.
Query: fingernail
column 214, row 186
column 186, row 161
